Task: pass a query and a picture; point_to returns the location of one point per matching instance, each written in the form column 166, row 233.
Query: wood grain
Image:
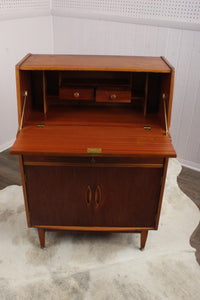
column 101, row 115
column 75, row 140
column 95, row 63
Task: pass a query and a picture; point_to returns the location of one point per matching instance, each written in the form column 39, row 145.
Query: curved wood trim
column 97, row 196
column 94, row 228
column 89, row 195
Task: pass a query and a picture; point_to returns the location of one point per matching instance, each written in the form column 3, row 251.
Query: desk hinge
column 40, row 126
column 165, row 113
column 23, row 110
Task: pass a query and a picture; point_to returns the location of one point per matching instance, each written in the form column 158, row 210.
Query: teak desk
column 93, row 141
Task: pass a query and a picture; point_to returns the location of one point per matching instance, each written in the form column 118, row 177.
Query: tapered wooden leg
column 144, row 235
column 41, row 234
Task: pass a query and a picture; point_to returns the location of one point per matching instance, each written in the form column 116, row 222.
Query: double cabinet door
column 107, row 196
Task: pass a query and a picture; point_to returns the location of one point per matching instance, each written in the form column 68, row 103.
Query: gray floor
column 188, row 181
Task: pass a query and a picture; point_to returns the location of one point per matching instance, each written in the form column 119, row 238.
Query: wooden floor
column 188, row 181
column 9, row 169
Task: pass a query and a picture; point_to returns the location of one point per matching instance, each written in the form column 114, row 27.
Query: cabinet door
column 127, row 196
column 59, row 195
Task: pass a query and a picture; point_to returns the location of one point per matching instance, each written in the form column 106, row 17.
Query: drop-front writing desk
column 93, row 141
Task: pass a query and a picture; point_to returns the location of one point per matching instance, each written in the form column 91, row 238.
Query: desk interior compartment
column 65, row 92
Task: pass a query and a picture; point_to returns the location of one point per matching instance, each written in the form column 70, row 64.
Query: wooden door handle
column 97, row 196
column 89, row 195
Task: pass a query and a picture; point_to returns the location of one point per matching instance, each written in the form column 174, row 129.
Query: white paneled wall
column 180, row 47
column 175, row 12
column 17, row 37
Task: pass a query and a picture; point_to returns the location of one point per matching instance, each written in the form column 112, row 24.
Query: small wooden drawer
column 113, row 95
column 76, row 93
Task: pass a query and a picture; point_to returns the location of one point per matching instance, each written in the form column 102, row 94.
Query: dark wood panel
column 37, row 90
column 127, row 197
column 153, row 95
column 65, row 196
column 94, row 78
column 59, row 196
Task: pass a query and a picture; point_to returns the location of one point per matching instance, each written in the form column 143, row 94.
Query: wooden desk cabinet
column 93, row 141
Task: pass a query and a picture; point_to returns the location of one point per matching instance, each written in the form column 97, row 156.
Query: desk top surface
column 95, row 63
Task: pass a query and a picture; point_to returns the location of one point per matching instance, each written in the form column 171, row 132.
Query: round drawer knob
column 113, row 96
column 76, row 95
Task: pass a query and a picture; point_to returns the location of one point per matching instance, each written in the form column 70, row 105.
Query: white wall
column 180, row 47
column 17, row 38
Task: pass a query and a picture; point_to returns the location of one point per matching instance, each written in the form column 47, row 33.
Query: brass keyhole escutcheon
column 147, row 127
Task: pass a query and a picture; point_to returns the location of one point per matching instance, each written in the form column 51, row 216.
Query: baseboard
column 189, row 164
column 6, row 145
